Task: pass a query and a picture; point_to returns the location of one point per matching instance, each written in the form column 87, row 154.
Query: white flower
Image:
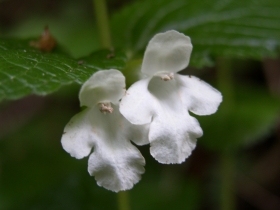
column 115, row 162
column 164, row 98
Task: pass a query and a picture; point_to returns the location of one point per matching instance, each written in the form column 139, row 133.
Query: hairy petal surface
column 103, row 86
column 167, row 52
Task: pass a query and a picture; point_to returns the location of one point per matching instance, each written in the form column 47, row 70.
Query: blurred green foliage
column 25, row 70
column 253, row 116
column 242, row 28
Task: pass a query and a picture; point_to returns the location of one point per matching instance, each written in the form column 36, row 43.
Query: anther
column 105, row 108
column 167, row 77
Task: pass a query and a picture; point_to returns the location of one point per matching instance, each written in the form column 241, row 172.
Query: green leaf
column 25, row 70
column 240, row 28
column 253, row 116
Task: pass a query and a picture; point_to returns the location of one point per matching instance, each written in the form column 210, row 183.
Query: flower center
column 167, row 77
column 105, row 108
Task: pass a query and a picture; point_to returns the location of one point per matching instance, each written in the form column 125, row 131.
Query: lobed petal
column 116, row 164
column 139, row 134
column 116, row 169
column 77, row 138
column 167, row 52
column 173, row 132
column 137, row 104
column 173, row 136
column 103, row 86
column 199, row 97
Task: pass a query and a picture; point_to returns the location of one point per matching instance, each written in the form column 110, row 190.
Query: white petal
column 167, row 52
column 77, row 136
column 139, row 134
column 137, row 104
column 115, row 163
column 173, row 132
column 103, row 86
column 173, row 136
column 199, row 97
column 118, row 168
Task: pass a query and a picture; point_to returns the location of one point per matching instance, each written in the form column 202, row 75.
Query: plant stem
column 227, row 182
column 227, row 159
column 102, row 23
column 123, row 200
column 225, row 83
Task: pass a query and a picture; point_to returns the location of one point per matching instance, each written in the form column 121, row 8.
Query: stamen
column 167, row 77
column 105, row 108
